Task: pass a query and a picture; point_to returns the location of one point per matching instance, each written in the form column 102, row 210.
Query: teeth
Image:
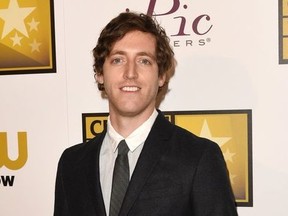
column 130, row 88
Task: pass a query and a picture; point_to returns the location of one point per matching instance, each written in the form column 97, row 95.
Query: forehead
column 136, row 41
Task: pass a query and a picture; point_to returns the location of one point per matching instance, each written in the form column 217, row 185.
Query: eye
column 116, row 60
column 145, row 61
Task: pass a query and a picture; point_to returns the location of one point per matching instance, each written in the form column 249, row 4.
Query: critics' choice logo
column 26, row 37
column 231, row 130
column 188, row 30
column 283, row 31
column 11, row 164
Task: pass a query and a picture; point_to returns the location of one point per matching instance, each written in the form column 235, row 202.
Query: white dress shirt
column 108, row 153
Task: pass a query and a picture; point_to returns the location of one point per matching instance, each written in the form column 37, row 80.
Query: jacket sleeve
column 212, row 194
column 60, row 202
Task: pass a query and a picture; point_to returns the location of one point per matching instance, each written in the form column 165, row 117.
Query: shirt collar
column 136, row 138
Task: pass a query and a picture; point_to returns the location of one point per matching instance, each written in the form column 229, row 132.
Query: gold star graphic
column 14, row 17
column 16, row 40
column 33, row 25
column 232, row 177
column 205, row 132
column 228, row 155
column 35, row 46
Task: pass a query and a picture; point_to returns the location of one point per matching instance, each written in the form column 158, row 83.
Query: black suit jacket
column 177, row 174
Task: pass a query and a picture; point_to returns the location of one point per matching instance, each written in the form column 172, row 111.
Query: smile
column 130, row 88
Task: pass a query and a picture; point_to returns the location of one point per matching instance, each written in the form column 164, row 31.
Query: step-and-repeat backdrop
column 230, row 85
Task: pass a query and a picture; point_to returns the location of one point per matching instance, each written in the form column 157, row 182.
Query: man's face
column 130, row 75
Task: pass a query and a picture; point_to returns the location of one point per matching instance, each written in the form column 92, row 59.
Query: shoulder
column 191, row 142
column 83, row 150
column 183, row 135
column 180, row 135
column 182, row 141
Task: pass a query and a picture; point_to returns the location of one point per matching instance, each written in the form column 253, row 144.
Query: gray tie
column 120, row 179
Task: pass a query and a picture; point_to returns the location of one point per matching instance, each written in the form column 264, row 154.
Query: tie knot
column 122, row 148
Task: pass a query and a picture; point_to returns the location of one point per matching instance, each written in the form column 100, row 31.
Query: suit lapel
column 155, row 146
column 93, row 175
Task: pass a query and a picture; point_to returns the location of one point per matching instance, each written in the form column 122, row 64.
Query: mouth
column 130, row 88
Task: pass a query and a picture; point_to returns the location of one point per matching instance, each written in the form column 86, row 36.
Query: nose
column 131, row 71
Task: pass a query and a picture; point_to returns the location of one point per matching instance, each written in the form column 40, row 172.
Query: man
column 170, row 171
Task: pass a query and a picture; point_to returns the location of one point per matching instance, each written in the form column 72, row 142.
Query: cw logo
column 22, row 151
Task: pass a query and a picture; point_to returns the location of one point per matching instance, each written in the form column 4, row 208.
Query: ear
column 99, row 78
column 161, row 80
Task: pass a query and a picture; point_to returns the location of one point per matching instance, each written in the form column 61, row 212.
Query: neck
column 125, row 124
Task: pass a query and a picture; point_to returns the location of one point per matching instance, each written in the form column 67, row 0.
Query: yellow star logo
column 16, row 40
column 33, row 25
column 205, row 132
column 232, row 177
column 228, row 155
column 14, row 17
column 35, row 46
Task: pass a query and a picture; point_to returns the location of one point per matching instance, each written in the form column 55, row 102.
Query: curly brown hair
column 126, row 22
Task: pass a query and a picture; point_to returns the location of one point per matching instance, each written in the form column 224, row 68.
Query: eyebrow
column 143, row 53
